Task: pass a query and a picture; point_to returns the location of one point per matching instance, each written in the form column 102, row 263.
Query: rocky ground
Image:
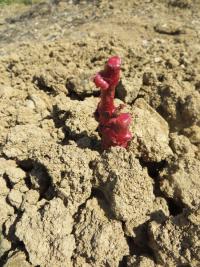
column 63, row 201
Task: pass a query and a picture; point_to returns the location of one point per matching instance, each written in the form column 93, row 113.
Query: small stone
column 69, row 19
column 157, row 59
column 15, row 174
column 15, row 198
column 30, row 104
column 145, row 43
column 169, row 28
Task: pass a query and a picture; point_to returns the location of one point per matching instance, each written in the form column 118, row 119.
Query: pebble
column 157, row 59
column 171, row 28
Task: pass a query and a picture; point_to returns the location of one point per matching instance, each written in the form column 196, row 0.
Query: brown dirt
column 64, row 202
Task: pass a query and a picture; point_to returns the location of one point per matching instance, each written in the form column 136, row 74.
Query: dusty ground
column 64, row 202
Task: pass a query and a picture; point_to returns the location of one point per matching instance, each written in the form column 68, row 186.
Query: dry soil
column 63, row 201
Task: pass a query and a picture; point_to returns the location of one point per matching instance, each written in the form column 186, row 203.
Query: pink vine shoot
column 113, row 125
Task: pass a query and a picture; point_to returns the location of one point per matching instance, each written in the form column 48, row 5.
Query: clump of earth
column 65, row 202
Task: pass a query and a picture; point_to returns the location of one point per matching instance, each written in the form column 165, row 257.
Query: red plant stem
column 113, row 127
